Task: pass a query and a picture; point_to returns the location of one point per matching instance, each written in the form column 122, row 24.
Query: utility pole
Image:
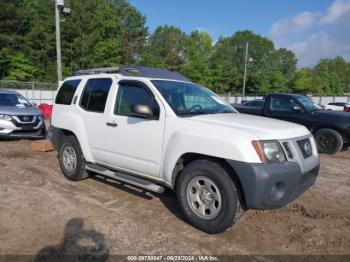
column 245, row 69
column 58, row 42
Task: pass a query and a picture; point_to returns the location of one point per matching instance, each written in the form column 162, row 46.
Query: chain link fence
column 35, row 92
column 9, row 84
column 45, row 93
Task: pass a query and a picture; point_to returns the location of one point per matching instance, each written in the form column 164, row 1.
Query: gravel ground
column 42, row 212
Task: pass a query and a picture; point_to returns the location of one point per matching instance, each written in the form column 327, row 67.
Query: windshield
column 188, row 99
column 309, row 104
column 14, row 100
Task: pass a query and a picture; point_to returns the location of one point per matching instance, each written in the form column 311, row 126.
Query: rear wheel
column 208, row 196
column 71, row 159
column 329, row 141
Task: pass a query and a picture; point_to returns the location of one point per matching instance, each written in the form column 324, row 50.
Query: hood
column 262, row 127
column 335, row 115
column 12, row 110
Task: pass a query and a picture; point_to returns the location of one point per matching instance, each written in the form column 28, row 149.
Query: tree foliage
column 113, row 32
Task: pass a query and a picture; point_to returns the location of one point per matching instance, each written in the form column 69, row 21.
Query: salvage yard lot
column 41, row 210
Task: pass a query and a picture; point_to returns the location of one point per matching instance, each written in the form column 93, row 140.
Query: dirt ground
column 41, row 211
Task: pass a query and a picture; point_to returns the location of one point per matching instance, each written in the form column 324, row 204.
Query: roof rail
column 135, row 71
column 105, row 70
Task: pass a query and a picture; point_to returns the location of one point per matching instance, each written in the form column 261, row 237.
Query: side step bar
column 132, row 180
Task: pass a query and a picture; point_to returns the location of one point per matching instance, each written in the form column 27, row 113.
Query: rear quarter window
column 67, row 91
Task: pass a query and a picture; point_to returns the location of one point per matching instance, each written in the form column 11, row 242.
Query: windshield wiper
column 193, row 113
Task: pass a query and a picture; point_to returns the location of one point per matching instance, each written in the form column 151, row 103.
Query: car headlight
column 5, row 117
column 269, row 151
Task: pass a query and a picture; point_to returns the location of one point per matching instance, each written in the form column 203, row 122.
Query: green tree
column 225, row 71
column 166, row 48
column 22, row 68
column 132, row 30
column 198, row 50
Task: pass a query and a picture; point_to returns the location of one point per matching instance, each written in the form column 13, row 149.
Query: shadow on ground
column 77, row 245
column 167, row 198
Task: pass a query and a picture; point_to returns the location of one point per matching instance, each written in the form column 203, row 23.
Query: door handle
column 111, row 124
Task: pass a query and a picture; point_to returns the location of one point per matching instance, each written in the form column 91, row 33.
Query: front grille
column 26, row 118
column 305, row 147
column 26, row 124
column 287, row 148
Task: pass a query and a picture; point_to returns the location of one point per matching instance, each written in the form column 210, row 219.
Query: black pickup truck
column 331, row 129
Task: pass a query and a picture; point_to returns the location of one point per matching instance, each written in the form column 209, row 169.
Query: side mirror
column 297, row 109
column 143, row 111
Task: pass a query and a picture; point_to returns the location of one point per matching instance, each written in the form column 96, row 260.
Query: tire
column 222, row 214
column 68, row 148
column 328, row 141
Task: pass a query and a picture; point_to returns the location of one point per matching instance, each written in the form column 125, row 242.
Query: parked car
column 153, row 129
column 336, row 106
column 331, row 129
column 347, row 109
column 18, row 118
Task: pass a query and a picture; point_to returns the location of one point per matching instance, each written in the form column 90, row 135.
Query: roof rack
column 136, row 71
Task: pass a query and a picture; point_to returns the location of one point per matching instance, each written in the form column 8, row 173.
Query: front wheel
column 208, row 196
column 328, row 141
column 71, row 159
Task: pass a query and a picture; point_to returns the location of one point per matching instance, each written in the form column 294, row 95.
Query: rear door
column 132, row 143
column 92, row 106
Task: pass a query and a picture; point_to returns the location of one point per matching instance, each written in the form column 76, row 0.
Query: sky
column 312, row 29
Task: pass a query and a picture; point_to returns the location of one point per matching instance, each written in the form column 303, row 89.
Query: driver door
column 132, row 143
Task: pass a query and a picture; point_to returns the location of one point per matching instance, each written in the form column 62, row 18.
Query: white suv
column 153, row 128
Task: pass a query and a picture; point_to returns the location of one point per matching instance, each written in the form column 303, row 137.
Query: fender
column 74, row 123
column 212, row 145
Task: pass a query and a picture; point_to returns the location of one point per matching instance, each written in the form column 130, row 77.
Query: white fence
column 38, row 96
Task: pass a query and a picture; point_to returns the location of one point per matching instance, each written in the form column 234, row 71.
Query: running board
column 132, row 180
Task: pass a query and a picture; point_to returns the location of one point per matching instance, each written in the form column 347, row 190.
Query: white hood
column 262, row 127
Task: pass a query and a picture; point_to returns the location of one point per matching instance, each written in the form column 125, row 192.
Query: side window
column 133, row 93
column 282, row 104
column 254, row 104
column 95, row 94
column 66, row 92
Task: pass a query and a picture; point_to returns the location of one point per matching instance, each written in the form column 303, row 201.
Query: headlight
column 5, row 117
column 269, row 151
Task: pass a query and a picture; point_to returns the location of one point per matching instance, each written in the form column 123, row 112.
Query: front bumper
column 270, row 186
column 9, row 129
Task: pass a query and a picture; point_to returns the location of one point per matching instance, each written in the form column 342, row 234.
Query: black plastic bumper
column 269, row 186
column 54, row 135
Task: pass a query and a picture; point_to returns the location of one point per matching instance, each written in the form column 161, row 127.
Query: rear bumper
column 270, row 186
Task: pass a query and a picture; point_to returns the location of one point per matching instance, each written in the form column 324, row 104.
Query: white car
column 153, row 128
column 336, row 106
